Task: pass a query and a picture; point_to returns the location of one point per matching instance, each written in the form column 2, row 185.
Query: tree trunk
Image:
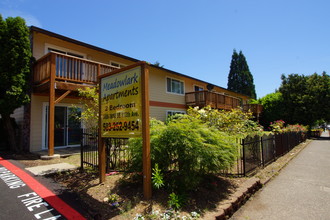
column 25, row 139
column 10, row 132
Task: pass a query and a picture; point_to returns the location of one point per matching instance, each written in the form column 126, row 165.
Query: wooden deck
column 219, row 101
column 69, row 72
column 212, row 99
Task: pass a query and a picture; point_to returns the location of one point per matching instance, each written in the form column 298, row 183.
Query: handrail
column 213, row 99
column 219, row 101
column 254, row 108
column 69, row 68
column 203, row 91
column 41, row 69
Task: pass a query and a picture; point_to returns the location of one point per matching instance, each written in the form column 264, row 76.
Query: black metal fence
column 117, row 155
column 259, row 151
column 268, row 149
column 253, row 152
column 88, row 149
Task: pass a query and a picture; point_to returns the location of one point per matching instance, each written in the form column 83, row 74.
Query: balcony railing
column 219, row 101
column 212, row 99
column 254, row 108
column 68, row 68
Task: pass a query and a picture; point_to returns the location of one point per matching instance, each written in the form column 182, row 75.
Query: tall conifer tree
column 240, row 78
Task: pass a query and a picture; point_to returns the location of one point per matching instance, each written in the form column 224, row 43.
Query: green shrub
column 175, row 201
column 185, row 149
column 233, row 122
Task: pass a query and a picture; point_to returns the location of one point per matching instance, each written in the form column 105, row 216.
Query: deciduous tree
column 273, row 108
column 301, row 100
column 15, row 57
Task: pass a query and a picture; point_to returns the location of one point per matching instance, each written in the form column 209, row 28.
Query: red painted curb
column 57, row 203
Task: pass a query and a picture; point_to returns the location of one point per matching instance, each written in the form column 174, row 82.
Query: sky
column 196, row 37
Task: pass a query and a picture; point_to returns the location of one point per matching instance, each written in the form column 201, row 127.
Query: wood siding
column 159, row 113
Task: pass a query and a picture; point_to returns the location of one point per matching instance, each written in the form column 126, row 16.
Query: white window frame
column 183, row 86
column 65, row 50
column 173, row 112
column 116, row 64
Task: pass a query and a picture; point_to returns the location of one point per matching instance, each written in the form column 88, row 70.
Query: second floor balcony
column 212, row 99
column 219, row 101
column 67, row 69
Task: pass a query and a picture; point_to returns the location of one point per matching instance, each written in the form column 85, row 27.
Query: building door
column 60, row 126
column 67, row 128
column 74, row 126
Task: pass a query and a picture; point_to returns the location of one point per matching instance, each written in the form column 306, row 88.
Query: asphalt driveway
column 26, row 196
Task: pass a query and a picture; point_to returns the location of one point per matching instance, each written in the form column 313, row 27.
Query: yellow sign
column 121, row 104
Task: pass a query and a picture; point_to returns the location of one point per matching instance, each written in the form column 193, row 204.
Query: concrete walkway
column 51, row 168
column 62, row 152
column 301, row 190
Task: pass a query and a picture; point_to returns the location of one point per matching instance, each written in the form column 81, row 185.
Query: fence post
column 244, row 171
column 108, row 148
column 239, row 160
column 81, row 154
column 274, row 147
column 262, row 152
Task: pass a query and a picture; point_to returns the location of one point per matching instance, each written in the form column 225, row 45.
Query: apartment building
column 63, row 65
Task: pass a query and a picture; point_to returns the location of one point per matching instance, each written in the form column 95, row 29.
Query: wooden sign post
column 124, row 113
column 146, row 134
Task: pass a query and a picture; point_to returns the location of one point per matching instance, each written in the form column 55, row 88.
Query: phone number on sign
column 121, row 126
